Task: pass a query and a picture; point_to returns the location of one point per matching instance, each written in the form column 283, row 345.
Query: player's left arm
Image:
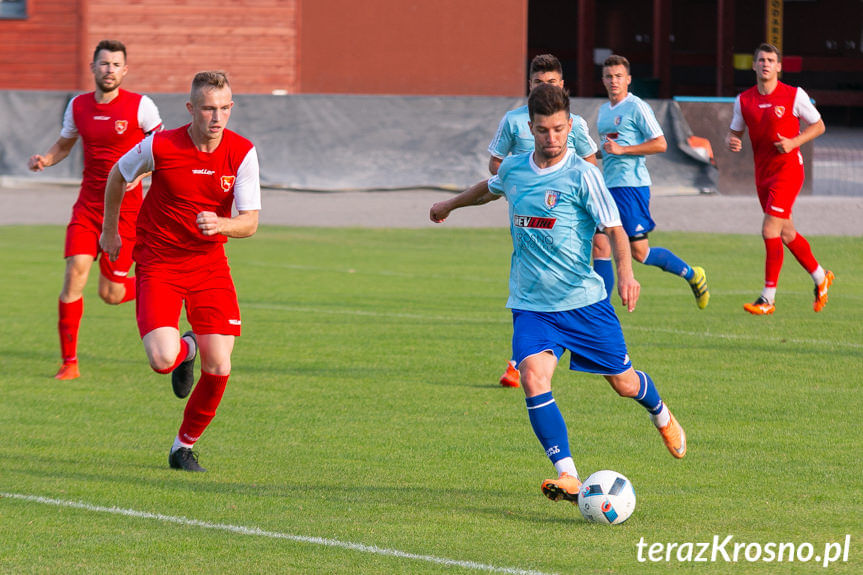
column 804, row 109
column 243, row 225
column 627, row 286
column 656, row 145
column 247, row 198
column 812, row 131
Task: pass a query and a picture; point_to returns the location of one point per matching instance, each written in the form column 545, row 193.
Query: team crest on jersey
column 120, row 126
column 227, row 182
column 780, row 111
column 551, row 198
column 618, row 120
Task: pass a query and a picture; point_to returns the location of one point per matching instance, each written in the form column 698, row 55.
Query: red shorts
column 207, row 290
column 778, row 192
column 82, row 238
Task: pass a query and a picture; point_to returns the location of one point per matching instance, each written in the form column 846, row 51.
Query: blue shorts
column 592, row 335
column 633, row 203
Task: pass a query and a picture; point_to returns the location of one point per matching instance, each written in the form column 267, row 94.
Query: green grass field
column 363, row 430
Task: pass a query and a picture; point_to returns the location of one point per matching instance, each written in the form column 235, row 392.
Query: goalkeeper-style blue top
column 513, row 135
column 629, row 123
column 553, row 214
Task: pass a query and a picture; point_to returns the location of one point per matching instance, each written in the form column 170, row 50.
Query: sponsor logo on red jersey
column 227, row 182
column 120, row 126
column 533, row 222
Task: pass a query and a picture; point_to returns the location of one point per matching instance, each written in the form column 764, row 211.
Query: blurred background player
column 556, row 203
column 772, row 111
column 628, row 132
column 513, row 137
column 199, row 171
column 109, row 121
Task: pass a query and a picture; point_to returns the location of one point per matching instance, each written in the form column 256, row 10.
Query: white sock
column 769, row 294
column 662, row 418
column 566, row 465
column 178, row 444
column 818, row 275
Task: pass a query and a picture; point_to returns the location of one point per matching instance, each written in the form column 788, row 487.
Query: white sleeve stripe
column 148, row 115
column 803, row 107
column 737, row 122
column 606, row 213
column 69, row 129
column 496, row 138
column 138, row 160
column 247, row 187
column 650, row 118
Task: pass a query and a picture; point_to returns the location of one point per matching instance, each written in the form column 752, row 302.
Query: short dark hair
column 767, row 47
column 110, row 46
column 209, row 79
column 547, row 100
column 616, row 60
column 545, row 63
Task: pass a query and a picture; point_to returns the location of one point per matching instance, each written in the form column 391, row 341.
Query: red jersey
column 108, row 131
column 185, row 182
column 767, row 116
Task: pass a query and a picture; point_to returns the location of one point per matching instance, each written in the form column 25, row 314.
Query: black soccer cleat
column 185, row 459
column 183, row 377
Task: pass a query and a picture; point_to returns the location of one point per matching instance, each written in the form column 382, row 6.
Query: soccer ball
column 606, row 497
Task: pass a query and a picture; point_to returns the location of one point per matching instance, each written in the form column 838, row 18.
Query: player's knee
column 625, row 384
column 111, row 296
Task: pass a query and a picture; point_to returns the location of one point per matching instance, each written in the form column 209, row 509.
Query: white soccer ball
column 606, row 497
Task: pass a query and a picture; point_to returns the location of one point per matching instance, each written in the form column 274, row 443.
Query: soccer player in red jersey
column 109, row 122
column 772, row 111
column 198, row 172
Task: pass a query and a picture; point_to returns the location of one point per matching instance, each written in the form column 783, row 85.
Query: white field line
column 256, row 532
column 508, row 321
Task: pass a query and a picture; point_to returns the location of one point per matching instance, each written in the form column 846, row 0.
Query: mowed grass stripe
column 257, row 532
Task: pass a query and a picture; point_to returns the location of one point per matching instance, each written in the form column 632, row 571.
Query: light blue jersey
column 513, row 135
column 553, row 214
column 629, row 123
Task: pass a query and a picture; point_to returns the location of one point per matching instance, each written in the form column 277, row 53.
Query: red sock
column 202, row 405
column 801, row 250
column 129, row 282
column 181, row 357
column 773, row 264
column 69, row 321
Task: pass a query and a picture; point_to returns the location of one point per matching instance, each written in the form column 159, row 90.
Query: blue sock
column 667, row 261
column 606, row 272
column 548, row 425
column 647, row 394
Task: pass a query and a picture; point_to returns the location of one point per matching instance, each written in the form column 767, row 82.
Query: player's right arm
column 735, row 132
column 475, row 195
column 56, row 154
column 131, row 166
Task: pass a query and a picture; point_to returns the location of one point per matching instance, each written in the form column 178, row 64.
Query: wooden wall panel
column 40, row 53
column 254, row 41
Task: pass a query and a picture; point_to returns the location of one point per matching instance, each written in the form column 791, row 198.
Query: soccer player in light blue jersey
column 513, row 137
column 628, row 131
column 556, row 203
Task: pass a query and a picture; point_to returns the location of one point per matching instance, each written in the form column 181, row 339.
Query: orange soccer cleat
column 760, row 307
column 565, row 488
column 674, row 437
column 69, row 370
column 821, row 291
column 510, row 377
